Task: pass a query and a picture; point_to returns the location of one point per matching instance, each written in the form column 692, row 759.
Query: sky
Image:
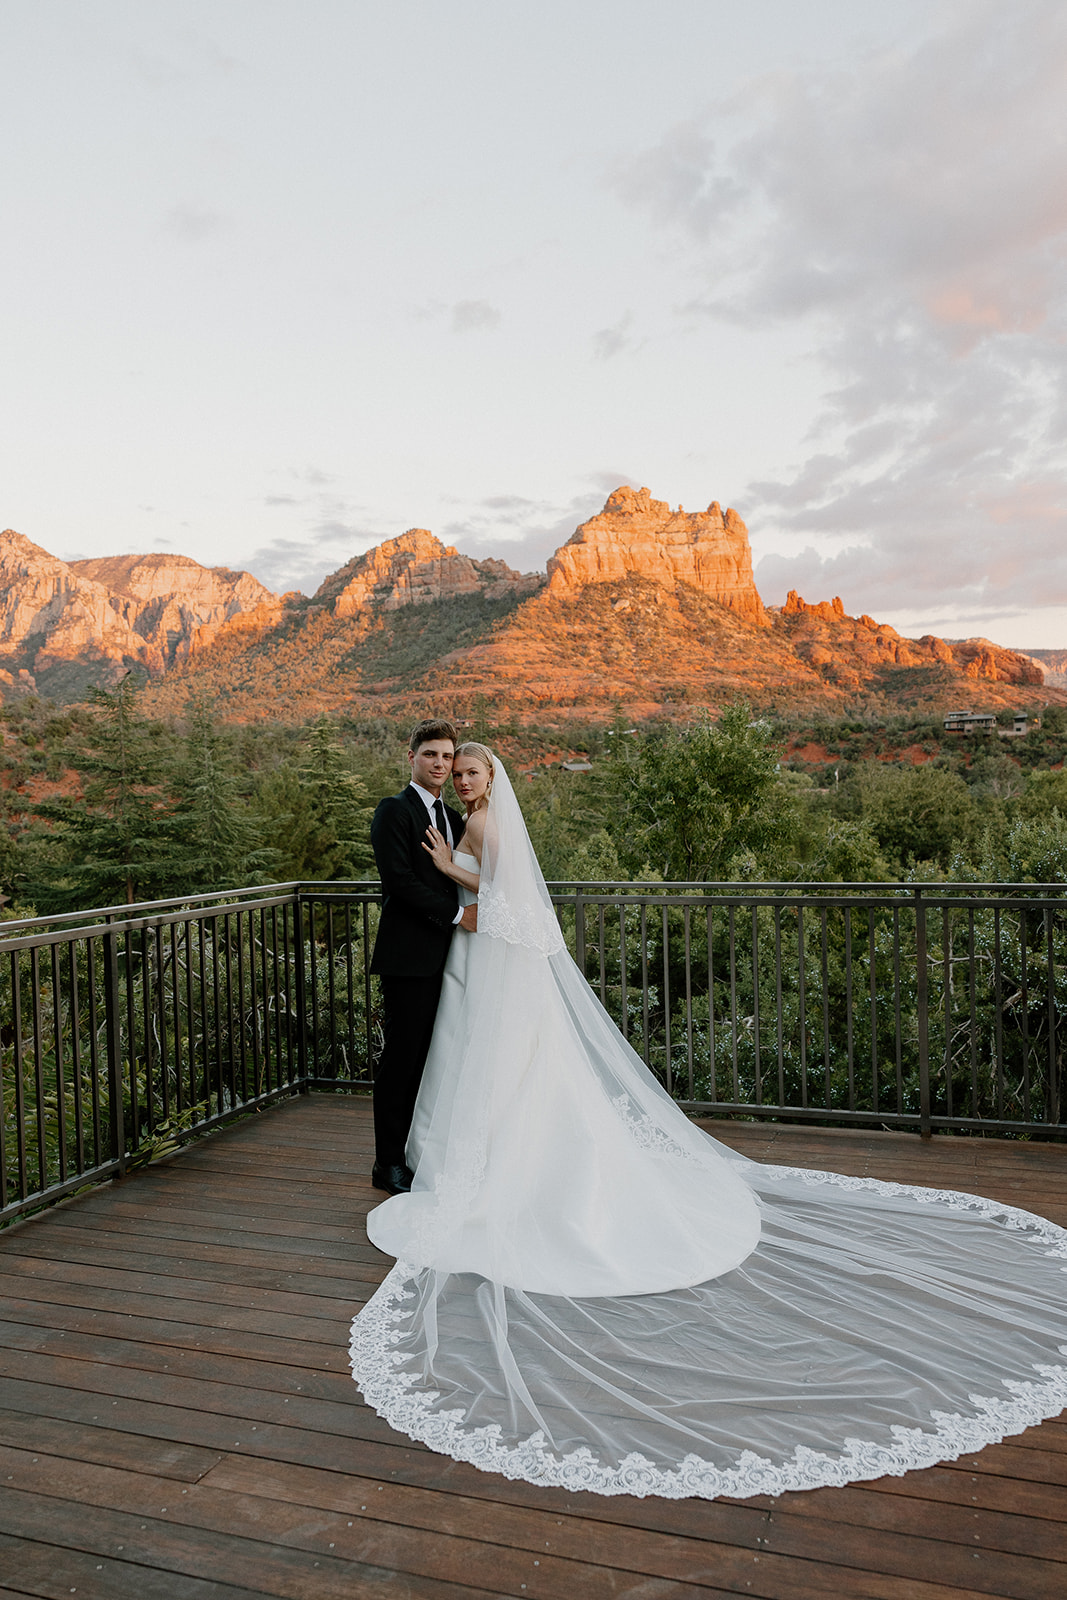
column 280, row 280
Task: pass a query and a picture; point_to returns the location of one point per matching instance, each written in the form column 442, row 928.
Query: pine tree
column 217, row 839
column 338, row 804
column 118, row 839
column 314, row 811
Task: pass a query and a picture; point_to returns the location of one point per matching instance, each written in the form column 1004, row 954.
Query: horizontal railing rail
column 127, row 1029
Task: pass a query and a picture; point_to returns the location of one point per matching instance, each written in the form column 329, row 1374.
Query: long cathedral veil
column 591, row 1292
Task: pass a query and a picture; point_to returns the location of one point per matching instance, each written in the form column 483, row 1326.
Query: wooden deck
column 177, row 1420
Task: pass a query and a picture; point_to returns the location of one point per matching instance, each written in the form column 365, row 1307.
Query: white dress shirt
column 429, row 801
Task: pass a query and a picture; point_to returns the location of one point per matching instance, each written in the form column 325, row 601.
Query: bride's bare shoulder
column 476, row 825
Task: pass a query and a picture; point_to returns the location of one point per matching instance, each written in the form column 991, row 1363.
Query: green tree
column 218, row 841
column 1045, row 792
column 314, row 811
column 916, row 814
column 1037, row 848
column 848, row 853
column 118, row 840
column 695, row 802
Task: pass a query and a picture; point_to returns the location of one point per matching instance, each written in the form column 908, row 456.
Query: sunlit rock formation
column 635, row 534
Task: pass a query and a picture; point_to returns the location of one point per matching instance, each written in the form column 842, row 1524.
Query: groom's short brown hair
column 432, row 728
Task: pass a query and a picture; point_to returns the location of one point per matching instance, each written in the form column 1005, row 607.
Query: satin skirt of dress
column 591, row 1292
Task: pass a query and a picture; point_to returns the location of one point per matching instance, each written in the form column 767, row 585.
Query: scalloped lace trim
column 1039, row 1228
column 392, row 1395
column 530, row 925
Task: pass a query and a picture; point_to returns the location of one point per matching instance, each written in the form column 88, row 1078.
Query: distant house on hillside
column 970, row 722
column 1019, row 728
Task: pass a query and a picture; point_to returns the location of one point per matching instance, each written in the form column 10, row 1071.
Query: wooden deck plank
column 51, row 1572
column 232, row 1565
column 176, row 1267
column 185, row 1329
column 81, row 1244
column 865, row 1544
column 493, row 1557
column 333, row 1244
column 197, row 1356
column 481, row 1559
column 162, row 1458
column 222, row 1301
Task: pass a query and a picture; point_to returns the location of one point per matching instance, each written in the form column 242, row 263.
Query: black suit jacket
column 419, row 904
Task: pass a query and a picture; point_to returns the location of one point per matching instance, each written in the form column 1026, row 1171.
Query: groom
column 420, row 908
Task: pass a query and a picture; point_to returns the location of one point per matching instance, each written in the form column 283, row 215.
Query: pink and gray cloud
column 911, row 212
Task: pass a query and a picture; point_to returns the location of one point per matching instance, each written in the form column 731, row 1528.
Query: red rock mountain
column 644, row 606
column 848, row 648
column 635, row 534
column 67, row 625
column 413, row 570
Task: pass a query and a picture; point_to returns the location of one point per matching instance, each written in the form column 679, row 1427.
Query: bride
column 591, row 1292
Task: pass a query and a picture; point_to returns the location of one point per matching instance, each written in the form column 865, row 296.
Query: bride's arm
column 438, row 848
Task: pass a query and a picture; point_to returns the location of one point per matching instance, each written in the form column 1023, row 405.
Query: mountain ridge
column 647, row 607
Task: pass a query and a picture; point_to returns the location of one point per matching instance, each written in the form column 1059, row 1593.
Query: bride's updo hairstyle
column 485, row 756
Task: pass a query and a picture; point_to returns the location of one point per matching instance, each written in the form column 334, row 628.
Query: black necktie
column 439, row 819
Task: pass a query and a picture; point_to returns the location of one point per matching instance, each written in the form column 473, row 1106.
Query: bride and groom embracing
column 420, row 913
column 589, row 1290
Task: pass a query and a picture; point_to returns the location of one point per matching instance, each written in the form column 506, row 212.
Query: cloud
column 324, row 529
column 526, row 532
column 520, row 531
column 677, row 181
column 608, row 342
column 179, row 56
column 474, row 316
column 302, row 563
column 194, row 222
column 910, row 211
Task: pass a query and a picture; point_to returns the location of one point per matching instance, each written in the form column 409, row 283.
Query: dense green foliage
column 100, row 804
column 103, row 806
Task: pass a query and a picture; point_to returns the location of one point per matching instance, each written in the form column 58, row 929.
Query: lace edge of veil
column 531, row 925
column 376, row 1363
column 391, row 1393
column 1040, row 1229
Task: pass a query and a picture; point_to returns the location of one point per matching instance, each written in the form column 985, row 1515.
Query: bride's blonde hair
column 485, row 756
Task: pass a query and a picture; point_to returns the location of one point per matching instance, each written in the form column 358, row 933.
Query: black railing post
column 922, row 1006
column 1053, row 1096
column 301, row 991
column 113, row 1037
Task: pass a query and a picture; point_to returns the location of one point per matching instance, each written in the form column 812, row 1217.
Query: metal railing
column 125, row 1030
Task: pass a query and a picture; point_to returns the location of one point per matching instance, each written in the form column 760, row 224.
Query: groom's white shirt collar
column 429, row 801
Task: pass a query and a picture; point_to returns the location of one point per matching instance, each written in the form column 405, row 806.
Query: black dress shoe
column 394, row 1180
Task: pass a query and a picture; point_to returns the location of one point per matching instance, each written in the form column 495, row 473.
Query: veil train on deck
column 591, row 1292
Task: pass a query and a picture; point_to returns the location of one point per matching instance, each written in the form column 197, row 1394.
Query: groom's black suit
column 419, row 906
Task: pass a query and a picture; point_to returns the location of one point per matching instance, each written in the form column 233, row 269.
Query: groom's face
column 431, row 763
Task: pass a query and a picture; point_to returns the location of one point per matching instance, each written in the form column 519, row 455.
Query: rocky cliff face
column 171, row 602
column 637, row 535
column 65, row 626
column 647, row 607
column 414, row 569
column 848, row 649
column 1053, row 663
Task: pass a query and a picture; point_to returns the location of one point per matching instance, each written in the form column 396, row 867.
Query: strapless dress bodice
column 467, row 897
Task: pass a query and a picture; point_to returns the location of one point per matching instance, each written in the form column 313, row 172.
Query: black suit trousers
column 409, row 1006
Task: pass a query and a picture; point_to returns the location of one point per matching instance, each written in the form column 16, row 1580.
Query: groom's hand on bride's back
column 469, row 919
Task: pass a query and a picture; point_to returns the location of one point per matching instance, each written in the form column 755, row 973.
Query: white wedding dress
column 591, row 1292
